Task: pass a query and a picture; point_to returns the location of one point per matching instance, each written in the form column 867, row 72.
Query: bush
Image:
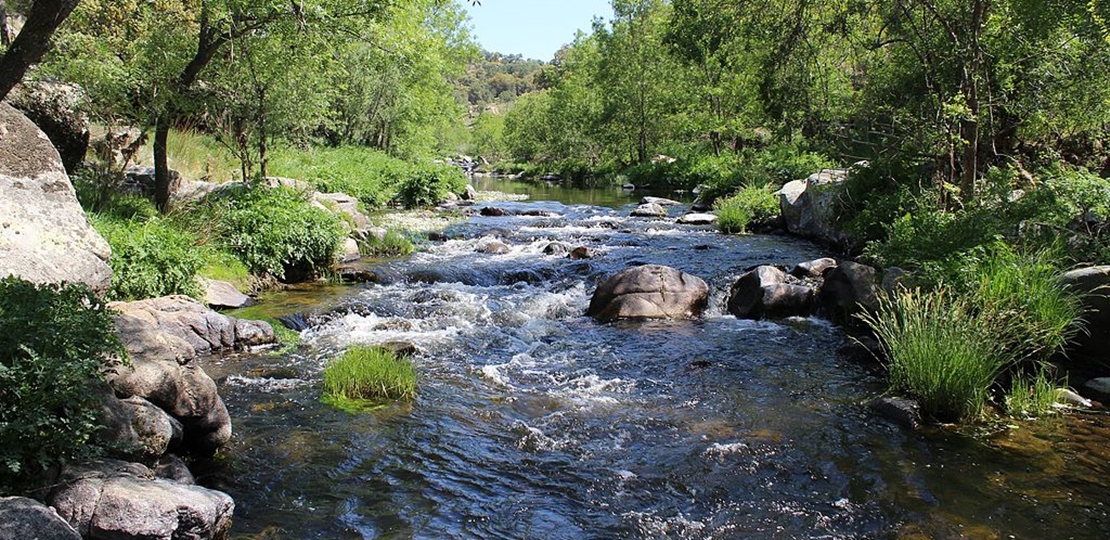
column 752, row 204
column 150, row 258
column 427, row 185
column 393, row 244
column 369, row 375
column 277, row 232
column 54, row 341
column 940, row 351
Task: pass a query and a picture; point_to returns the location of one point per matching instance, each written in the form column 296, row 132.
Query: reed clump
column 369, row 375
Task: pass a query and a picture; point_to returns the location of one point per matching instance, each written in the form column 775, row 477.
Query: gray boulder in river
column 44, row 234
column 810, row 207
column 25, row 519
column 768, row 292
column 1094, row 284
column 650, row 292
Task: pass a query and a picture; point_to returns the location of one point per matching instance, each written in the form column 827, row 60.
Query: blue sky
column 533, row 28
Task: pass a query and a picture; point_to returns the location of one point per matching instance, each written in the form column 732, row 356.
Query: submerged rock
column 649, row 292
column 26, row 519
column 556, row 248
column 905, row 412
column 659, row 201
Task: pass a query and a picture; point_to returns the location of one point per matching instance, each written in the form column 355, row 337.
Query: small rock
column 491, row 211
column 541, row 213
column 556, row 248
column 172, row 467
column 401, row 348
column 356, row 273
column 698, row 219
column 813, row 269
column 494, row 247
column 438, row 237
column 582, row 252
column 848, row 288
column 223, row 295
column 1068, row 397
column 659, row 200
column 905, row 412
column 470, row 194
column 351, row 252
column 628, row 187
column 649, row 210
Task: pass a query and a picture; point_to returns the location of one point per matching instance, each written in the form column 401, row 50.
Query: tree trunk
column 31, row 43
column 969, row 126
column 161, row 164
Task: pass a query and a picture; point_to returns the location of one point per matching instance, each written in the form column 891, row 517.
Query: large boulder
column 137, row 429
column 163, row 337
column 849, row 288
column 113, row 500
column 203, row 329
column 140, row 180
column 1094, row 284
column 768, row 292
column 27, row 519
column 44, row 234
column 810, row 207
column 58, row 110
column 649, row 292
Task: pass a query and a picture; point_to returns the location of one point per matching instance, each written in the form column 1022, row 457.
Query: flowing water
column 535, row 422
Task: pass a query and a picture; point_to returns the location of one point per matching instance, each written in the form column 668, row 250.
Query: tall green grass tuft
column 368, row 375
column 1033, row 396
column 1037, row 313
column 939, row 351
column 752, row 204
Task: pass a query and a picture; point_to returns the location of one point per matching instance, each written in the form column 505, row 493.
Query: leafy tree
column 43, row 18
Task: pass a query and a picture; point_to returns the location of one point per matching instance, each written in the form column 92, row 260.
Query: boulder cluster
column 156, row 406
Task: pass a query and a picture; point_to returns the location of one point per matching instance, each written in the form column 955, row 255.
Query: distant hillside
column 497, row 80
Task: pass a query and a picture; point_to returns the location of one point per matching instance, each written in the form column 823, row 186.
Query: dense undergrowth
column 54, row 341
column 247, row 234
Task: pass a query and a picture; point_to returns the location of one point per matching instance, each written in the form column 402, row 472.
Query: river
column 535, row 422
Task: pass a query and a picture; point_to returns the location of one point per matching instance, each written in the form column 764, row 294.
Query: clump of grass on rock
column 751, row 205
column 366, row 376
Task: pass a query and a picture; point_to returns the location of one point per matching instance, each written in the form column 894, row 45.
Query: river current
column 536, row 422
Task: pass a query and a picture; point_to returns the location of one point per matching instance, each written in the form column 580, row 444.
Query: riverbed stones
column 649, row 292
column 581, row 253
column 112, row 500
column 492, row 211
column 768, row 292
column 493, row 246
column 1098, row 390
column 44, row 234
column 813, row 269
column 27, row 519
column 849, row 288
column 203, row 329
column 698, row 219
column 649, row 210
column 557, row 249
column 903, row 411
column 660, row 201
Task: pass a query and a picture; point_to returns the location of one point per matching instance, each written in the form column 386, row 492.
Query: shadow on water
column 536, row 422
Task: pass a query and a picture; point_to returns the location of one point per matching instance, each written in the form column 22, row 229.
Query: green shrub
column 940, row 351
column 752, row 204
column 369, row 374
column 54, row 342
column 278, row 232
column 393, row 244
column 427, row 185
column 791, row 161
column 150, row 258
column 222, row 265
